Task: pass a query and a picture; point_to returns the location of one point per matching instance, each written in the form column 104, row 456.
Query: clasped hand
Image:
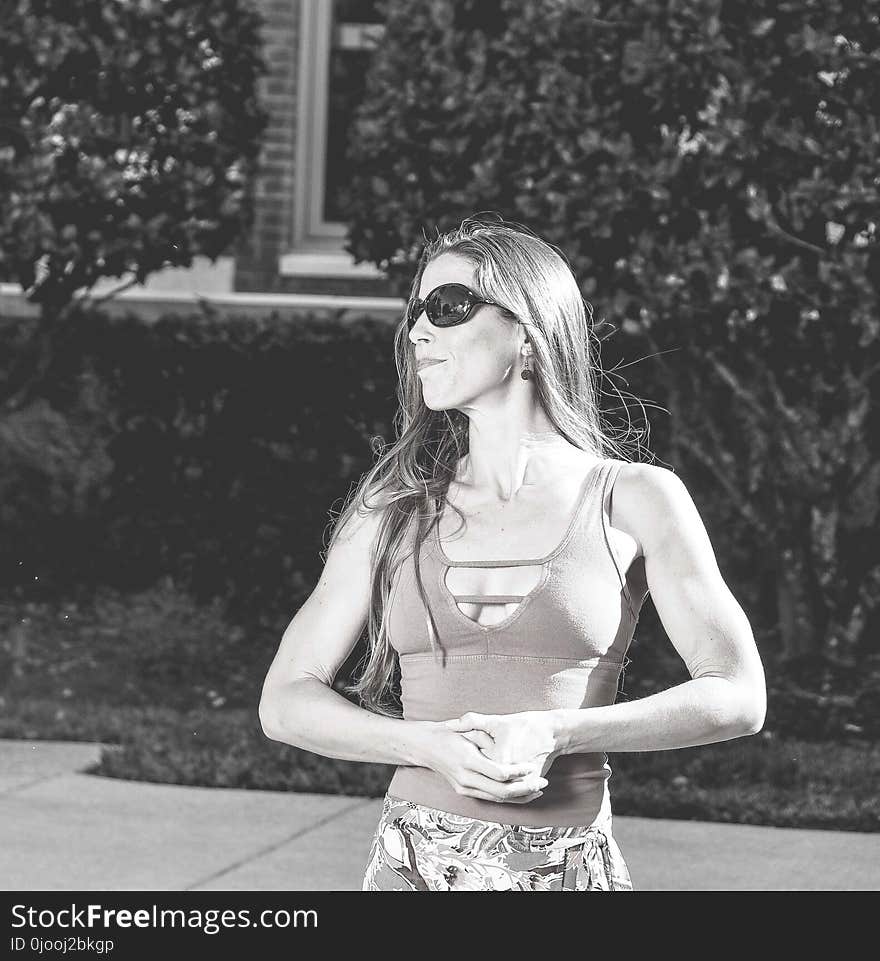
column 514, row 752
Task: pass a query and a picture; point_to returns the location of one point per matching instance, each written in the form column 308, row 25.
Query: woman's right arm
column 299, row 706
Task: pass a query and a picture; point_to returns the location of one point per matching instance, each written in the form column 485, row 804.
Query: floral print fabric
column 419, row 848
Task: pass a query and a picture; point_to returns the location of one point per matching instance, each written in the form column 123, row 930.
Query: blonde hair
column 410, row 480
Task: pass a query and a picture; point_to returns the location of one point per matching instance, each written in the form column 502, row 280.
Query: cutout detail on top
column 490, row 595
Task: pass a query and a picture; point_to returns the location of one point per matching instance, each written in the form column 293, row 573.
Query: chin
column 439, row 400
column 435, row 405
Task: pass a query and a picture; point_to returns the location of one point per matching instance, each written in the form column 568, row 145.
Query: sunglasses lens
column 445, row 306
column 448, row 305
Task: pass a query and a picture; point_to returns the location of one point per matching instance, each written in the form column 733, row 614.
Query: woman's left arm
column 726, row 696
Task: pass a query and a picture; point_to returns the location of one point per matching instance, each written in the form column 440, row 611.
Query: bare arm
column 299, row 706
column 726, row 696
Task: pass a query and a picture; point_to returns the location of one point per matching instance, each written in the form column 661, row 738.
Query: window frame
column 317, row 244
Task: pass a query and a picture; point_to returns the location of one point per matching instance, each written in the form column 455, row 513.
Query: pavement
column 62, row 829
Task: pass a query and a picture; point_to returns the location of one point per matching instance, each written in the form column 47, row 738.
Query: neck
column 505, row 456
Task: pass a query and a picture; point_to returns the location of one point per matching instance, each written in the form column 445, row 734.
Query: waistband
column 530, row 836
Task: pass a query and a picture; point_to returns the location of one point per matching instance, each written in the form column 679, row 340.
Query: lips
column 428, row 363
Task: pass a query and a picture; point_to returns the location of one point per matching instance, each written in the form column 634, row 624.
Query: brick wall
column 256, row 266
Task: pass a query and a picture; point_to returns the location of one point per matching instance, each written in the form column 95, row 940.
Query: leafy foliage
column 151, row 648
column 711, row 171
column 210, row 449
column 129, row 133
column 130, row 130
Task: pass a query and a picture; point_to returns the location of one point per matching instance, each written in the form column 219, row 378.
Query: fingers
column 469, row 721
column 513, row 800
column 483, row 741
column 512, row 787
column 525, row 789
column 498, row 771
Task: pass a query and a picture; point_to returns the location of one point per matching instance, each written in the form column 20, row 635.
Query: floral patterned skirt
column 419, row 848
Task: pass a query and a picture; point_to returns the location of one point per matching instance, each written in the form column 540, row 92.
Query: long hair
column 410, row 480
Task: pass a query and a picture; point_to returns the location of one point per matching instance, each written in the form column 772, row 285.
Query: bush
column 154, row 649
column 256, row 430
column 818, row 698
column 51, row 464
column 228, row 749
column 766, row 779
column 210, row 449
column 129, row 133
column 709, row 169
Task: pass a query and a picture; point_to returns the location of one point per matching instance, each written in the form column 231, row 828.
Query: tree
column 711, row 171
column 129, row 131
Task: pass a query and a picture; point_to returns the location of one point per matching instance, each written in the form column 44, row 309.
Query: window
column 335, row 43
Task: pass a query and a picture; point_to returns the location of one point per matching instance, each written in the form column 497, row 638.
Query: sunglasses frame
column 474, row 300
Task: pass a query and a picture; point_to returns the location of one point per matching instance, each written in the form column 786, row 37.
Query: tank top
column 563, row 646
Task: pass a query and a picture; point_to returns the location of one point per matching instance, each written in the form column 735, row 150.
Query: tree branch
column 89, row 301
column 742, row 504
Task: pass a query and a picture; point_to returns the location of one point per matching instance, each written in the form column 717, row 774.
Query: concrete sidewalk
column 64, row 830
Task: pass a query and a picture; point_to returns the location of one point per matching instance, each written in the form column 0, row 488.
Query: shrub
column 229, row 441
column 228, row 749
column 156, row 648
column 129, row 134
column 709, row 169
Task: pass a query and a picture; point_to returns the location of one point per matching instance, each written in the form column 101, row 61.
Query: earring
column 526, row 373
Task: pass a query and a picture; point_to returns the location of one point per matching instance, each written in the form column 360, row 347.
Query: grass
column 172, row 689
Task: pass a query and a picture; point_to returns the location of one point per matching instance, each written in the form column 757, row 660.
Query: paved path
column 61, row 829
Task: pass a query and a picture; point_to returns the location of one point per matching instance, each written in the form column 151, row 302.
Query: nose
column 420, row 328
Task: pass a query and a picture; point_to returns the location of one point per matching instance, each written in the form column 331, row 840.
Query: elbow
column 758, row 702
column 281, row 712
column 753, row 712
column 741, row 710
column 268, row 720
column 274, row 724
column 754, row 722
column 751, row 724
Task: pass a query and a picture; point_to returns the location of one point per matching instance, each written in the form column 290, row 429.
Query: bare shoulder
column 649, row 502
column 359, row 529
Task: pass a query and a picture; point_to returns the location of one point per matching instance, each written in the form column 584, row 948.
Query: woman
column 511, row 628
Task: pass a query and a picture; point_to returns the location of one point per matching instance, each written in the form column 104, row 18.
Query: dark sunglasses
column 446, row 306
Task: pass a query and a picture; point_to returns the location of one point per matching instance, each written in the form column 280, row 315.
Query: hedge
column 213, row 452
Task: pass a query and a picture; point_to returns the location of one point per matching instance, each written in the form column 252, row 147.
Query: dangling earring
column 526, row 372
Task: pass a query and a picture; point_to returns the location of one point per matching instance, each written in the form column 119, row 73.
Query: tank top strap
column 610, row 470
column 586, row 511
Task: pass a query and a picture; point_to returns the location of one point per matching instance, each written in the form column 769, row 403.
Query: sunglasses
column 446, row 306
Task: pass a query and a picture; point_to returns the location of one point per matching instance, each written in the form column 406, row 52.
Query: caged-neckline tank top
column 563, row 646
